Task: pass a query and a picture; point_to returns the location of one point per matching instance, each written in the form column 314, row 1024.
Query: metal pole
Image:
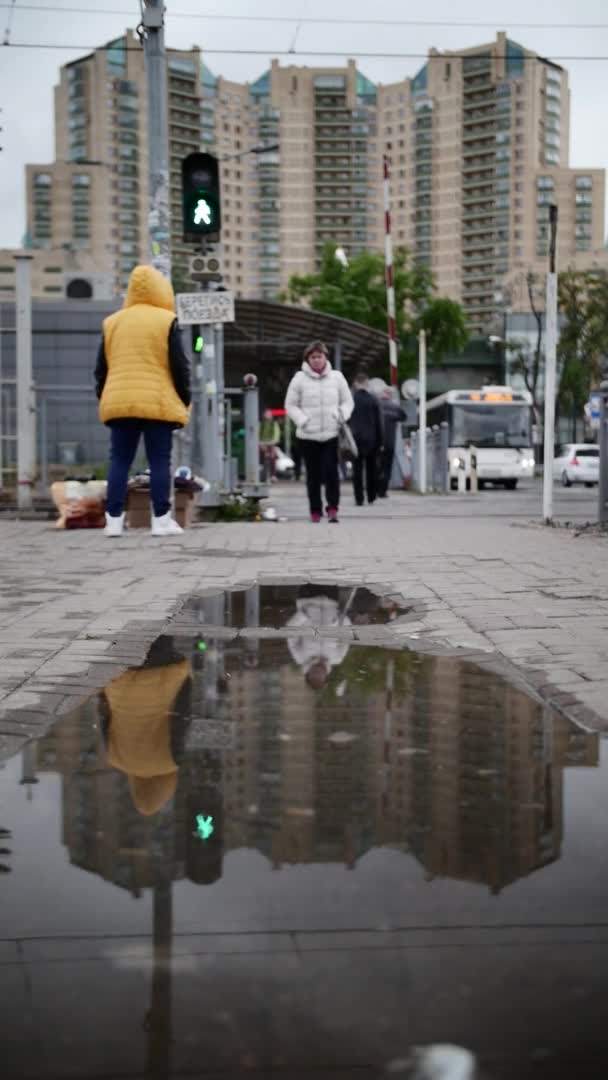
column 218, row 334
column 26, row 427
column 444, row 440
column 44, row 448
column 228, row 443
column 550, row 369
column 210, row 426
column 422, row 408
column 603, row 443
column 337, row 355
column 159, row 213
column 252, row 444
column 415, row 475
column 390, row 285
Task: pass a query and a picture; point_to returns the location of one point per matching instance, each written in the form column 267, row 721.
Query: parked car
column 577, row 463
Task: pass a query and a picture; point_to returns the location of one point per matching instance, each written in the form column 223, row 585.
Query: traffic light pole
column 159, row 212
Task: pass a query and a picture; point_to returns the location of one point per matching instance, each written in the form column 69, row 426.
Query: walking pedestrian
column 392, row 414
column 317, row 654
column 143, row 384
column 318, row 401
column 366, row 426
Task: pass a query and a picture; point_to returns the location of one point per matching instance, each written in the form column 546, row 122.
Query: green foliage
column 583, row 345
column 446, row 326
column 238, row 508
column 358, row 292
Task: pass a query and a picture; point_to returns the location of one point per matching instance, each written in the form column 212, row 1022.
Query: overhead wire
column 321, row 20
column 327, row 54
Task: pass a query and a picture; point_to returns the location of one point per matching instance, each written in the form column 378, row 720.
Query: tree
column 583, row 344
column 529, row 363
column 357, row 291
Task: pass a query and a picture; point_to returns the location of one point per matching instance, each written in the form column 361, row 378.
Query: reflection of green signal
column 204, row 826
column 198, row 344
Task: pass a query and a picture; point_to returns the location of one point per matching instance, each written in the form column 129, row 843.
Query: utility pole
column 159, row 212
column 550, row 368
column 390, row 285
column 26, row 415
column 422, row 411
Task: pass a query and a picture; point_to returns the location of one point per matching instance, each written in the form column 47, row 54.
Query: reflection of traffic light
column 204, row 818
column 201, row 196
column 197, row 339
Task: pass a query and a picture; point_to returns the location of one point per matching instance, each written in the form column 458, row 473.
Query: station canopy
column 269, row 338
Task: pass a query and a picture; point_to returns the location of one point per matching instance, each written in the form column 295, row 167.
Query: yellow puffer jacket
column 136, row 345
column 139, row 742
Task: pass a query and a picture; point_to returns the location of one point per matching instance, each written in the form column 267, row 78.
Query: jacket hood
column 148, row 286
column 150, row 793
column 306, row 368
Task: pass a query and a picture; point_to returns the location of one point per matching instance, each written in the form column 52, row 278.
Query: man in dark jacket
column 366, row 426
column 392, row 414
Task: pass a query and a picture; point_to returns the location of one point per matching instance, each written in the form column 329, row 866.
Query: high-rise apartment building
column 477, row 144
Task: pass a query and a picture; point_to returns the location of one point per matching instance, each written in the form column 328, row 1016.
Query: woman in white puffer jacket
column 318, row 401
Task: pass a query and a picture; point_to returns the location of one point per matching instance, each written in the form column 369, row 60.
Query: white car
column 577, row 463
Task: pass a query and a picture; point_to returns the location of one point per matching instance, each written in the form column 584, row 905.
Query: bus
column 497, row 421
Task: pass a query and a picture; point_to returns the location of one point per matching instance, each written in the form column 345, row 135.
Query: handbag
column 347, row 446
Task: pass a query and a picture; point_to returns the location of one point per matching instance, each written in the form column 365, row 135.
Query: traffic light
column 201, row 196
column 198, row 342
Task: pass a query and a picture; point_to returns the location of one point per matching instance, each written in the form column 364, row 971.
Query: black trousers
column 365, row 464
column 321, row 471
column 296, row 453
column 386, row 468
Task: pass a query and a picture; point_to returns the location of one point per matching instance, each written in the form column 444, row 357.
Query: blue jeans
column 125, row 435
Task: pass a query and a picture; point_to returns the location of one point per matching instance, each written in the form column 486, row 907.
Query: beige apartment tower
column 477, row 144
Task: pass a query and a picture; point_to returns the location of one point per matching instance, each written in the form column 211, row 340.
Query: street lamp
column 341, row 256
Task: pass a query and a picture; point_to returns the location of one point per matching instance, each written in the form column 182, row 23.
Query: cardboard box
column 139, row 510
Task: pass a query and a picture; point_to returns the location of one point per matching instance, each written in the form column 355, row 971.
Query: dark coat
column 392, row 414
column 366, row 423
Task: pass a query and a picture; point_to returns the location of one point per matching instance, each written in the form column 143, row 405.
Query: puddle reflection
column 311, row 752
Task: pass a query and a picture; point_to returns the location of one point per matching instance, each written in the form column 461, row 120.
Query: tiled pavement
column 75, row 608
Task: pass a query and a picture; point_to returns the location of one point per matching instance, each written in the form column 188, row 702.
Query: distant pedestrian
column 270, row 436
column 366, row 426
column 318, row 401
column 392, row 414
column 142, row 378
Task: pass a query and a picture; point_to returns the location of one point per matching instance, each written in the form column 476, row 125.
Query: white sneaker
column 114, row 525
column 165, row 526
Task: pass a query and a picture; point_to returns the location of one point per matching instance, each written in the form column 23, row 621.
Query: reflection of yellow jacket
column 136, row 345
column 139, row 742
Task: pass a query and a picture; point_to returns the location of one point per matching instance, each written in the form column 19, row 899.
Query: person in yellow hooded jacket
column 143, row 384
column 143, row 711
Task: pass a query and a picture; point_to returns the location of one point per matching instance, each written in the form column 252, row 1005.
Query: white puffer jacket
column 318, row 404
column 306, row 649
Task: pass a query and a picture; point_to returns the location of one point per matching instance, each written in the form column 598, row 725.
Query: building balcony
column 483, row 204
column 485, row 150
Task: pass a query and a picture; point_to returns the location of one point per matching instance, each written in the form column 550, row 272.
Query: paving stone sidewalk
column 76, row 608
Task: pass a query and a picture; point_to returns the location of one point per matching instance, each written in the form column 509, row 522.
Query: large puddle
column 302, row 857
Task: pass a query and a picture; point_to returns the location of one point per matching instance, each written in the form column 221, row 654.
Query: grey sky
column 27, row 76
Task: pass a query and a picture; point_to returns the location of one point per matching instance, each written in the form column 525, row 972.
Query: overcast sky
column 27, row 76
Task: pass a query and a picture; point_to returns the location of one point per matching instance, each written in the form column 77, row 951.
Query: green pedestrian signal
column 204, row 826
column 201, row 196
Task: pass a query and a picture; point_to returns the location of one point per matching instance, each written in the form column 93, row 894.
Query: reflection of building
column 423, row 754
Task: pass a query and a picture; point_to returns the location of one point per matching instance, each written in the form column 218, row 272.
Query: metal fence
column 437, row 471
